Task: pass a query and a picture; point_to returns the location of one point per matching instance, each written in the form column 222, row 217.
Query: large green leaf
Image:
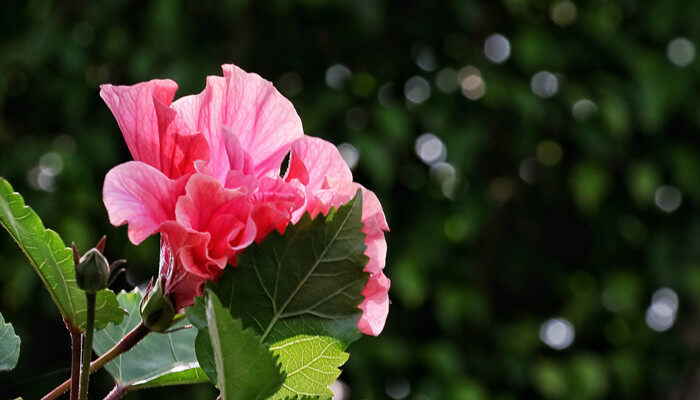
column 307, row 281
column 9, row 346
column 160, row 359
column 246, row 369
column 300, row 292
column 53, row 261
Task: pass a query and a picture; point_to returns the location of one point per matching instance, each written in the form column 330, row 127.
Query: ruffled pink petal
column 179, row 147
column 140, row 195
column 376, row 250
column 224, row 213
column 153, row 131
column 376, row 304
column 263, row 120
column 204, row 197
column 321, row 160
column 191, row 248
column 238, row 180
column 238, row 158
column 372, row 211
column 314, row 162
column 375, row 307
column 232, row 233
column 133, row 107
column 204, row 113
column 374, row 223
column 273, row 204
column 296, row 169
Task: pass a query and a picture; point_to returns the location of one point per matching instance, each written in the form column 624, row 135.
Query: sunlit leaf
column 311, row 363
column 53, row 261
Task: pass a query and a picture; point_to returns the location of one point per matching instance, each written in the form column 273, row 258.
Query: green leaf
column 300, row 292
column 307, row 281
column 310, row 363
column 53, row 261
column 246, row 369
column 9, row 346
column 160, row 359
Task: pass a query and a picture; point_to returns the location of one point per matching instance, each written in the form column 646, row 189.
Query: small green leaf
column 9, row 346
column 246, row 369
column 53, row 261
column 160, row 359
column 300, row 292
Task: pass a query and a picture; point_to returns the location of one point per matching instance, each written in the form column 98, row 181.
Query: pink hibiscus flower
column 206, row 176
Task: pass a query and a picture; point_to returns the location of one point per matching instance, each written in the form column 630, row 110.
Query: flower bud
column 157, row 310
column 92, row 272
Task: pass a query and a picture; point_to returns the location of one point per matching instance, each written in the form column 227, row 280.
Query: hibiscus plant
column 271, row 257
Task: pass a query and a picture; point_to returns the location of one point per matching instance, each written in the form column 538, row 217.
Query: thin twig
column 124, row 345
column 75, row 343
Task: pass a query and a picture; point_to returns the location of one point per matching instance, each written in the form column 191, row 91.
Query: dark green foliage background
column 474, row 277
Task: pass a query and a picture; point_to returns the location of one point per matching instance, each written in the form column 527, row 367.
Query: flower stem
column 117, row 392
column 87, row 346
column 127, row 343
column 75, row 342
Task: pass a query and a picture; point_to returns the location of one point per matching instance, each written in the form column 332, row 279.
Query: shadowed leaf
column 160, row 359
column 9, row 346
